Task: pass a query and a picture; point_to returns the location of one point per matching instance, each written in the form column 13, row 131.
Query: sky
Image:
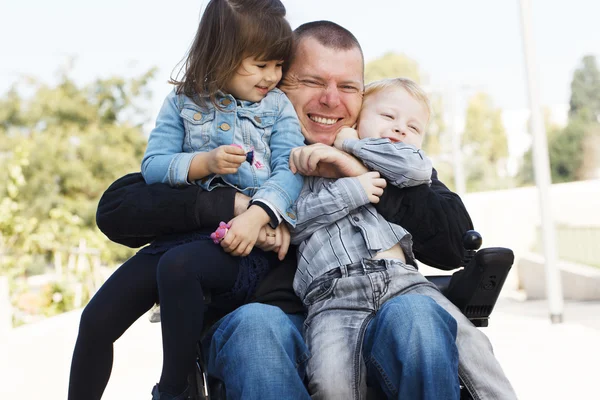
column 465, row 45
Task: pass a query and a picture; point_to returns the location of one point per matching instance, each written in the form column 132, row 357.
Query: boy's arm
column 132, row 213
column 436, row 218
column 403, row 165
column 324, row 201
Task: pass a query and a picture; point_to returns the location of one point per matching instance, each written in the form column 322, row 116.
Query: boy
column 351, row 260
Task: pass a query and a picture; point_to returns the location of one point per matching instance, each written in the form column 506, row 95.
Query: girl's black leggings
column 178, row 277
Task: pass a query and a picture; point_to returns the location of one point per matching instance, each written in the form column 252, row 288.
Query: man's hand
column 373, row 185
column 277, row 240
column 225, row 159
column 242, row 235
column 322, row 160
column 343, row 134
column 240, row 204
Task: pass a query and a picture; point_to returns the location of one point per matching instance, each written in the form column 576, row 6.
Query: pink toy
column 220, row 233
column 250, row 156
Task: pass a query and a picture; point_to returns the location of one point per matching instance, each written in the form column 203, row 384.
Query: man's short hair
column 409, row 85
column 328, row 34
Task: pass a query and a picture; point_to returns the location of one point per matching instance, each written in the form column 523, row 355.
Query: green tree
column 64, row 144
column 585, row 91
column 485, row 145
column 392, row 65
column 574, row 150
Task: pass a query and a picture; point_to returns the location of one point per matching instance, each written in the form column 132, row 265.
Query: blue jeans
column 258, row 352
column 381, row 321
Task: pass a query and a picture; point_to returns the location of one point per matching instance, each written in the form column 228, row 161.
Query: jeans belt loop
column 344, row 270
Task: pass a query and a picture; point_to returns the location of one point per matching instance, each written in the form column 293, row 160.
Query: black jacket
column 133, row 214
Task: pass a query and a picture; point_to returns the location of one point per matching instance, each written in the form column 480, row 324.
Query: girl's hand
column 242, row 235
column 225, row 159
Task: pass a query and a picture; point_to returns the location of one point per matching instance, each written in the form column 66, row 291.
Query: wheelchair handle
column 472, row 240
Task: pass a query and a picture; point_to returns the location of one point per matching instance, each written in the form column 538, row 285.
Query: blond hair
column 409, row 85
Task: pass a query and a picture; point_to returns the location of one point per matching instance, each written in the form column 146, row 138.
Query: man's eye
column 349, row 89
column 310, row 83
column 261, row 65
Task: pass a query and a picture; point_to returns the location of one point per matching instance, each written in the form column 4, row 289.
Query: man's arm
column 436, row 218
column 133, row 213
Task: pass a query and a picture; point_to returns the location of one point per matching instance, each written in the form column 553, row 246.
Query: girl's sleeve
column 283, row 186
column 164, row 160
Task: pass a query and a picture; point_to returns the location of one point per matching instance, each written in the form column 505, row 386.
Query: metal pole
column 457, row 160
column 542, row 170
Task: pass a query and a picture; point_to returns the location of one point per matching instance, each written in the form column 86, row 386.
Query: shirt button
column 291, row 215
column 257, row 119
column 197, row 117
column 356, row 219
column 226, row 102
column 356, row 229
column 225, row 126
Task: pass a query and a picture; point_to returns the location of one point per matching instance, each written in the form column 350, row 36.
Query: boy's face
column 393, row 114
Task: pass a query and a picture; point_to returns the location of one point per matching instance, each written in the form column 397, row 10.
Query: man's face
column 393, row 114
column 325, row 86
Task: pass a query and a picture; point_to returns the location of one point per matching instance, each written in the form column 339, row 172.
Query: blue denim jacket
column 270, row 127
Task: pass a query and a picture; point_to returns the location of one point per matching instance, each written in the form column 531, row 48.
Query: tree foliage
column 485, row 145
column 585, row 91
column 63, row 145
column 392, row 65
column 574, row 150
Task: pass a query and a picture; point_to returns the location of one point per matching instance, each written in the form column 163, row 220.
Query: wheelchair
column 474, row 289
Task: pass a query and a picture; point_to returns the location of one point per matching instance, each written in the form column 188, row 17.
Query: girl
column 224, row 124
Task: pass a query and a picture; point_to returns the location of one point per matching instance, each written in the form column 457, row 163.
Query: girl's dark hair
column 229, row 31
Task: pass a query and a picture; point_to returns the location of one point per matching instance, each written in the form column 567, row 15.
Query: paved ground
column 543, row 361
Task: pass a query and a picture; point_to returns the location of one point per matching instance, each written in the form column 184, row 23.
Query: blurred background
column 81, row 84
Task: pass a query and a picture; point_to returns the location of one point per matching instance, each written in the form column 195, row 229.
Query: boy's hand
column 242, row 235
column 343, row 134
column 277, row 240
column 373, row 185
column 225, row 160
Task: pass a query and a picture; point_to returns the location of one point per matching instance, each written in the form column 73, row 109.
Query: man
column 258, row 350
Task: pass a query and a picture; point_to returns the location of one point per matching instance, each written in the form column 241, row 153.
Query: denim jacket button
column 225, row 126
column 226, row 102
column 291, row 215
column 197, row 117
column 257, row 119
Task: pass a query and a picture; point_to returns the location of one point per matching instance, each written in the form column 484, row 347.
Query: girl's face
column 254, row 78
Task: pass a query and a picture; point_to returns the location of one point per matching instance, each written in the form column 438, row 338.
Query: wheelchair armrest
column 441, row 281
column 475, row 289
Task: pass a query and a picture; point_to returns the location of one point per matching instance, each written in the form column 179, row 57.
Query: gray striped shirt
column 336, row 224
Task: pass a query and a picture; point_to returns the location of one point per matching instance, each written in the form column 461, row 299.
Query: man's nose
column 330, row 97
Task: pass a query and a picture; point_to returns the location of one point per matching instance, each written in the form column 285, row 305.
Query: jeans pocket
column 320, row 292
